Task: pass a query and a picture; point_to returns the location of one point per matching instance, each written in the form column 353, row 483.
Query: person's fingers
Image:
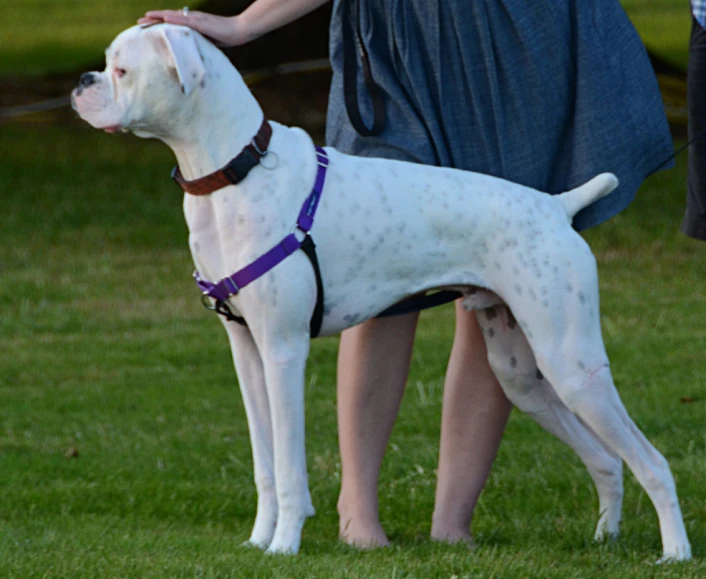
column 178, row 17
column 217, row 28
column 170, row 16
column 158, row 14
column 151, row 17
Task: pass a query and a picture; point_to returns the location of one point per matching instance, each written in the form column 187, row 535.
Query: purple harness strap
column 231, row 285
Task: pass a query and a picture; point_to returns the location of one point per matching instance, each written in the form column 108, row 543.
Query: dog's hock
column 178, row 46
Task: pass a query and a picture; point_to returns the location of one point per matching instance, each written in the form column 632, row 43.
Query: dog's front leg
column 251, row 377
column 284, row 359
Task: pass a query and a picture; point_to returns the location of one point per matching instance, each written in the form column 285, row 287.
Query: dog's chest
column 235, row 225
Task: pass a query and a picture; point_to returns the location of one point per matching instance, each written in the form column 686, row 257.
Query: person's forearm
column 264, row 16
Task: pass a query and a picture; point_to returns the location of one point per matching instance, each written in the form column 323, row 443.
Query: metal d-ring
column 206, row 302
column 270, row 155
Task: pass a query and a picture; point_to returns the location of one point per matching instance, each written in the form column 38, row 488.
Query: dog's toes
column 606, row 533
column 264, row 528
column 667, row 559
column 285, row 543
column 261, row 536
column 274, row 549
column 678, row 554
column 602, row 536
column 288, row 532
column 255, row 544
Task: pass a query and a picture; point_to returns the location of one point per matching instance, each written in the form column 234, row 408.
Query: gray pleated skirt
column 546, row 93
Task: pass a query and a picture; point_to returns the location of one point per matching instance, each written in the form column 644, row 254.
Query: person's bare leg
column 474, row 414
column 373, row 364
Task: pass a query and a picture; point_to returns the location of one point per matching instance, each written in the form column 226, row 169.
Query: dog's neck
column 229, row 117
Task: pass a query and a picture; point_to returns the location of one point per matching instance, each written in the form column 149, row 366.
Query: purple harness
column 231, row 285
column 214, row 296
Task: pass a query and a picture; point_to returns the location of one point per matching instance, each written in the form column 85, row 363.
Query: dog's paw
column 603, row 536
column 676, row 555
column 265, row 521
column 286, row 540
column 250, row 544
column 288, row 532
column 285, row 543
column 607, row 529
column 263, row 530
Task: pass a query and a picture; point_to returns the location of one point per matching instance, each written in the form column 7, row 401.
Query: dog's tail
column 584, row 195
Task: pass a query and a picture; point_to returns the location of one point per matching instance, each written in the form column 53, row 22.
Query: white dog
column 384, row 230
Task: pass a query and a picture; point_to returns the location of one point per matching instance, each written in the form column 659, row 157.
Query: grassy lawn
column 124, row 449
column 40, row 36
column 664, row 26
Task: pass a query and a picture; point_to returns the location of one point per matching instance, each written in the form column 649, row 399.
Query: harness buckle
column 231, row 286
column 321, row 160
column 236, row 170
column 297, row 227
column 221, row 308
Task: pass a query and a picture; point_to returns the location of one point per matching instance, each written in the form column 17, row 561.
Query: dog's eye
column 120, row 72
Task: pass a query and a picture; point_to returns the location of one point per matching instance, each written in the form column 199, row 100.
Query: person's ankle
column 355, row 504
column 362, row 533
column 452, row 535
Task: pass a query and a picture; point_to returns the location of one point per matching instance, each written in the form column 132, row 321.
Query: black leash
column 679, row 151
column 351, row 45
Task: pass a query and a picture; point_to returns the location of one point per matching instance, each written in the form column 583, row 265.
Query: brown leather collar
column 235, row 171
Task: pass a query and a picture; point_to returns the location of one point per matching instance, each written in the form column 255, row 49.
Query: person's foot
column 452, row 535
column 361, row 531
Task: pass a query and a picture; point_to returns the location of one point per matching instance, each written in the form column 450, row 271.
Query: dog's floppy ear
column 178, row 46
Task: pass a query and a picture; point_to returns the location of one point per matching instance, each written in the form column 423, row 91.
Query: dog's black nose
column 87, row 79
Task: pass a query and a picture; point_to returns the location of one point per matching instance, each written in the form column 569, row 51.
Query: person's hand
column 223, row 30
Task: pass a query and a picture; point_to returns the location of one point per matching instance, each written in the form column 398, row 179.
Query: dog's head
column 151, row 75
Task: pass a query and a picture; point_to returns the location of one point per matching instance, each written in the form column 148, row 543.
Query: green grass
column 664, row 26
column 105, row 349
column 40, row 36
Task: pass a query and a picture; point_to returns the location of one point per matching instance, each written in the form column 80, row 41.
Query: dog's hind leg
column 513, row 363
column 251, row 378
column 591, row 394
column 569, row 349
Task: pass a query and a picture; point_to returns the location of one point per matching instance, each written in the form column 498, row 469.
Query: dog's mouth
column 113, row 128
